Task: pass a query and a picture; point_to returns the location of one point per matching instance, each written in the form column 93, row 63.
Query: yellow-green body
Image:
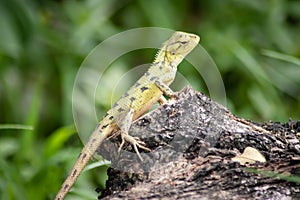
column 135, row 102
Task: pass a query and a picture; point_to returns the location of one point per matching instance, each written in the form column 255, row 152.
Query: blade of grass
column 249, row 62
column 56, row 141
column 289, row 178
column 16, row 126
column 281, row 56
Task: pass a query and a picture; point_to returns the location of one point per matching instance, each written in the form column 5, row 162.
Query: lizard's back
column 139, row 98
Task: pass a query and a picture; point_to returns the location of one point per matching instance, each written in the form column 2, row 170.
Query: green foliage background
column 255, row 45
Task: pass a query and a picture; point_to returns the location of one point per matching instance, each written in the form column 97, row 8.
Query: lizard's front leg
column 165, row 89
column 162, row 100
column 124, row 122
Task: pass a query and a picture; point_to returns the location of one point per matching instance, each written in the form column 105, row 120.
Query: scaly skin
column 135, row 102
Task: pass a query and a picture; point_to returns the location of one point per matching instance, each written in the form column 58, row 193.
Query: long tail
column 87, row 152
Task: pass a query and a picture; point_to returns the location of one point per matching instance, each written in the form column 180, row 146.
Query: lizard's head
column 178, row 46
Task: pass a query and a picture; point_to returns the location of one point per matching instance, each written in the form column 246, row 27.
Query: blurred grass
column 255, row 45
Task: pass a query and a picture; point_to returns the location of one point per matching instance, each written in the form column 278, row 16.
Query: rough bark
column 193, row 140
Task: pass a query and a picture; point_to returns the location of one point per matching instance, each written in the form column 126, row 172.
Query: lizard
column 135, row 102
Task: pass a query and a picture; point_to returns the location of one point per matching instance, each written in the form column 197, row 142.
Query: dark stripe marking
column 120, row 109
column 74, row 173
column 132, row 99
column 126, row 94
column 83, row 157
column 153, row 78
column 97, row 126
column 144, row 88
column 104, row 126
column 115, row 105
column 66, row 186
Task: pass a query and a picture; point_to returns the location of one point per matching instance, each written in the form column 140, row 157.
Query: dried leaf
column 250, row 155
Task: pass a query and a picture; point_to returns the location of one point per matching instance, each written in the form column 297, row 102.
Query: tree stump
column 193, row 141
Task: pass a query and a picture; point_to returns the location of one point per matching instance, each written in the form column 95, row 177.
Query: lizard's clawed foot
column 174, row 96
column 135, row 141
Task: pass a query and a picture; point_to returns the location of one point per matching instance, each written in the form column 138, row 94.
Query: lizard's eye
column 173, row 53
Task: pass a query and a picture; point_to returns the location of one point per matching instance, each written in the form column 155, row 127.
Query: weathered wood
column 193, row 140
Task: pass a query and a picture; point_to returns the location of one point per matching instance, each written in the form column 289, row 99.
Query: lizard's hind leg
column 124, row 122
